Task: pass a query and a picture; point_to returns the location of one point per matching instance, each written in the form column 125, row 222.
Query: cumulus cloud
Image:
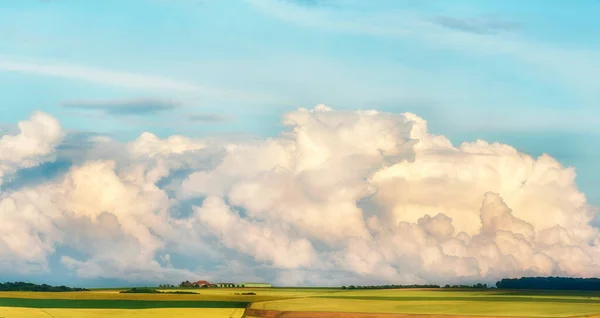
column 38, row 138
column 477, row 209
column 339, row 197
column 150, row 145
column 263, row 241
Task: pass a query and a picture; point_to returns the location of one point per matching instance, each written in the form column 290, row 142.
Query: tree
column 22, row 286
column 556, row 283
column 186, row 284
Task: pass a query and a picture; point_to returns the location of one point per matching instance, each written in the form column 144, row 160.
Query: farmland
column 439, row 302
column 290, row 302
column 111, row 303
column 8, row 312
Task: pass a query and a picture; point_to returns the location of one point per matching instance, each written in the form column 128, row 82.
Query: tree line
column 22, row 286
column 389, row 286
column 553, row 283
column 556, row 283
column 478, row 285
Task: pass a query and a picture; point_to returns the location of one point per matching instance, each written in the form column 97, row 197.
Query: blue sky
column 519, row 72
column 506, row 70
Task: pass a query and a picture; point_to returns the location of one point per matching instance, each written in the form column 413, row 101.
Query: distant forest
column 21, row 286
column 412, row 286
column 557, row 283
column 553, row 283
column 389, row 286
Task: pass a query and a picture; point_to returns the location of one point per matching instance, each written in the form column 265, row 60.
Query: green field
column 222, row 302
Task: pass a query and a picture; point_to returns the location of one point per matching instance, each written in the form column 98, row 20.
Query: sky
column 300, row 142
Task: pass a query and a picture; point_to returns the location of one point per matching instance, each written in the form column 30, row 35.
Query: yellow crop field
column 459, row 303
column 214, row 294
column 11, row 312
column 115, row 295
column 224, row 303
column 466, row 308
column 441, row 293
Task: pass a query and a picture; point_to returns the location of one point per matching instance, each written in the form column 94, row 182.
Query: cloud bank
column 339, row 197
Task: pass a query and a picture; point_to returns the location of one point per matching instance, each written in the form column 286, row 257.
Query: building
column 202, row 283
column 256, row 285
column 225, row 285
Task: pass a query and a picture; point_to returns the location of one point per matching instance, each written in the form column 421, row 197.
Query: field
column 435, row 302
column 110, row 303
column 16, row 312
column 301, row 303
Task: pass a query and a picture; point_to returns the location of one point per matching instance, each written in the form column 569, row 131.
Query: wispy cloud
column 97, row 75
column 124, row 107
column 563, row 66
column 478, row 25
column 209, row 118
column 328, row 17
column 304, row 2
column 130, row 80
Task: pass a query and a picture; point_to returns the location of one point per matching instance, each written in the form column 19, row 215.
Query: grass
column 120, row 313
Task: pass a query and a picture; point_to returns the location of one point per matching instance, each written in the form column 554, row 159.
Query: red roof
column 202, row 282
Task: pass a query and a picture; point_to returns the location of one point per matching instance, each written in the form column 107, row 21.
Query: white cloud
column 341, row 196
column 36, row 142
column 27, row 231
column 103, row 215
column 265, row 242
column 150, row 145
column 425, row 197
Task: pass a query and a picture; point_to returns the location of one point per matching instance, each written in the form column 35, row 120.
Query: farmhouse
column 256, row 285
column 203, row 283
column 226, row 285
